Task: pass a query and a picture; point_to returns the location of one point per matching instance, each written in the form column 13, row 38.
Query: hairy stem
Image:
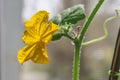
column 89, row 20
column 76, row 62
column 78, row 42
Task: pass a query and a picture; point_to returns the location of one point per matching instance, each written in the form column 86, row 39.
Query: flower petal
column 29, row 27
column 41, row 56
column 35, row 27
column 26, row 53
column 29, row 39
column 47, row 35
column 40, row 20
column 36, row 35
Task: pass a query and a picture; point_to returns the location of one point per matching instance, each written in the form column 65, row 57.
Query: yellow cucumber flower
column 36, row 35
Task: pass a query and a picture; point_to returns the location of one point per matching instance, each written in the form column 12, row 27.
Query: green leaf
column 57, row 36
column 64, row 29
column 71, row 15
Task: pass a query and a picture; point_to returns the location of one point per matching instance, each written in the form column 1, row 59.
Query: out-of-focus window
column 32, row 6
column 11, row 27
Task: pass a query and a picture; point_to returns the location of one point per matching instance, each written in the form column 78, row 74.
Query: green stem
column 78, row 42
column 68, row 36
column 89, row 20
column 76, row 61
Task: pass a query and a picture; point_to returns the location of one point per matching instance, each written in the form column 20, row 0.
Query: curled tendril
column 105, row 29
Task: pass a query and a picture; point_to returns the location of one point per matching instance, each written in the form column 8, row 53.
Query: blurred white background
column 96, row 58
